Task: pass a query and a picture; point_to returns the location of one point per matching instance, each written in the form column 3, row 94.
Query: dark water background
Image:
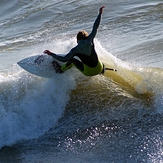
column 75, row 118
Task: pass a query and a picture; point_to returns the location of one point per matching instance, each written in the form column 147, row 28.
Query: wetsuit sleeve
column 95, row 27
column 80, row 47
column 67, row 57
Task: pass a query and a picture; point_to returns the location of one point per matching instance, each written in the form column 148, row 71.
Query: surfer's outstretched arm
column 96, row 25
column 79, row 48
column 65, row 58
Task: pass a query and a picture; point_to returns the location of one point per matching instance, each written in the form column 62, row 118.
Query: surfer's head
column 82, row 35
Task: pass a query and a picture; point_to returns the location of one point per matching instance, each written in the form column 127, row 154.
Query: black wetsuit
column 89, row 63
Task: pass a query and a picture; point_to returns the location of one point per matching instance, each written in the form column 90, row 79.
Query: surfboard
column 39, row 65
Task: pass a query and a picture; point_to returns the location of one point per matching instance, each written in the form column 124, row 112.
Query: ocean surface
column 72, row 118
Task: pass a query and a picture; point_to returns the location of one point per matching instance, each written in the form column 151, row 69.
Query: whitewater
column 71, row 117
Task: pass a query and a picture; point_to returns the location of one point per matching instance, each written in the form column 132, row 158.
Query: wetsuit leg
column 67, row 66
column 79, row 65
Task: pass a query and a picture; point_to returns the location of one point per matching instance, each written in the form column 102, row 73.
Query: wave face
column 30, row 106
column 115, row 117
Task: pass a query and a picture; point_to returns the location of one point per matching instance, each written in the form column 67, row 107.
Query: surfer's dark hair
column 82, row 35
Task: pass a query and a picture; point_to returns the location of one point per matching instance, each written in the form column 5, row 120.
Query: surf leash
column 111, row 69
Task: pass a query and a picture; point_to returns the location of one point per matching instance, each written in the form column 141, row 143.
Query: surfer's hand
column 101, row 9
column 48, row 52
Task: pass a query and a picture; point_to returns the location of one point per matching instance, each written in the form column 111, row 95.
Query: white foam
column 30, row 106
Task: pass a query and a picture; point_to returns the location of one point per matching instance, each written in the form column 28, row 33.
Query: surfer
column 89, row 63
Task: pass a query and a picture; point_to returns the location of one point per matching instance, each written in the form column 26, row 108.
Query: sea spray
column 30, row 105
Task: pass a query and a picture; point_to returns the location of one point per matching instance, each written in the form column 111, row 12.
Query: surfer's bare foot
column 57, row 67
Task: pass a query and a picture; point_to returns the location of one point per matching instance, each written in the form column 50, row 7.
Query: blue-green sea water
column 73, row 118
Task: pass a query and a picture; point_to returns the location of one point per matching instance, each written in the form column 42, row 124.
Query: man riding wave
column 89, row 63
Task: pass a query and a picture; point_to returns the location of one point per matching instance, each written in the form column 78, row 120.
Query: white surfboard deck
column 40, row 65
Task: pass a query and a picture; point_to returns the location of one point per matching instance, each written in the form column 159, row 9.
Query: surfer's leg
column 75, row 62
column 67, row 66
column 78, row 64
